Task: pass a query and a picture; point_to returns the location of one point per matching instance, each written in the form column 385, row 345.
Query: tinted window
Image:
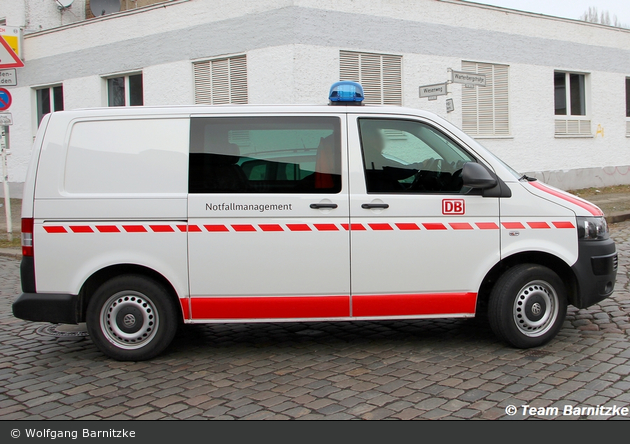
column 409, row 156
column 265, row 155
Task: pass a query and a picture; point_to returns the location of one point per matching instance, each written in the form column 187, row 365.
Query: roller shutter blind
column 221, row 81
column 379, row 74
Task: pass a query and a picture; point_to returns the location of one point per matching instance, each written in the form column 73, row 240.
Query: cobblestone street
column 369, row 370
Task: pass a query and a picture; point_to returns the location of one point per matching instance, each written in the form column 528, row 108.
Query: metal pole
column 4, row 146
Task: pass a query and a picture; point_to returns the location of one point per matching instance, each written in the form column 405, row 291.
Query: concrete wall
column 292, row 52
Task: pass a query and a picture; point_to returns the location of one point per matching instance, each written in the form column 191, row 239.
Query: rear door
column 268, row 218
column 421, row 241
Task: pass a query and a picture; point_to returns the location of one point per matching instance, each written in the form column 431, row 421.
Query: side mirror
column 475, row 175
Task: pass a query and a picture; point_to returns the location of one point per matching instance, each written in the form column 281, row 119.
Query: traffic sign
column 8, row 77
column 8, row 57
column 5, row 99
column 6, row 119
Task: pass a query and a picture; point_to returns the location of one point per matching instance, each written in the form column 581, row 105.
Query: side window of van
column 265, row 155
column 410, row 156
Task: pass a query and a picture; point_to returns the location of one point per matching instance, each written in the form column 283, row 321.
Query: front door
column 268, row 211
column 421, row 241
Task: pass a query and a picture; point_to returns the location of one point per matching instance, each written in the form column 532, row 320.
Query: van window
column 127, row 156
column 265, row 155
column 410, row 156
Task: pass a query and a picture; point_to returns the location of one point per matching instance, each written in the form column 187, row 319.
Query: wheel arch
column 560, row 267
column 104, row 274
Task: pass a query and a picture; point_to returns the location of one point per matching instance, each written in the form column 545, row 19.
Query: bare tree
column 592, row 15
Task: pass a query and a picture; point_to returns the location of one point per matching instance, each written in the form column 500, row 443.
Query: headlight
column 592, row 228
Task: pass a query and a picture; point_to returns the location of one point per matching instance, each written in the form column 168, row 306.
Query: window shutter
column 221, row 81
column 379, row 74
column 485, row 110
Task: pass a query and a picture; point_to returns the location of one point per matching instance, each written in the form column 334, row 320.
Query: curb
column 13, row 253
column 617, row 217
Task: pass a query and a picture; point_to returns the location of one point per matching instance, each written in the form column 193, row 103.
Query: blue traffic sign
column 5, row 99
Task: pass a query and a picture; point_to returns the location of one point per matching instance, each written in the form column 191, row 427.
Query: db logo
column 453, row 206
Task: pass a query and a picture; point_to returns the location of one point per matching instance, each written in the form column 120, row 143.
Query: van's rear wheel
column 527, row 306
column 131, row 318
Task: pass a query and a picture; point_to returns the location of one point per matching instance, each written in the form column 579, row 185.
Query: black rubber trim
column 596, row 271
column 41, row 307
column 27, row 274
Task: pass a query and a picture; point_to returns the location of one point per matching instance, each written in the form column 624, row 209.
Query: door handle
column 320, row 206
column 371, row 206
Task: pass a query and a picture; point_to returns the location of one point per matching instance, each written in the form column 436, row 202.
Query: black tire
column 527, row 306
column 132, row 318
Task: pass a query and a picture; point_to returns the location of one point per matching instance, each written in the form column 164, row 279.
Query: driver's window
column 409, row 156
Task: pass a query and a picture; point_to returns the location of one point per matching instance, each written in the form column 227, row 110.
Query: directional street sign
column 438, row 89
column 8, row 57
column 5, row 99
column 469, row 78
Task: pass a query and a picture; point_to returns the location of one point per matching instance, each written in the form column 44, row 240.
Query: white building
column 556, row 102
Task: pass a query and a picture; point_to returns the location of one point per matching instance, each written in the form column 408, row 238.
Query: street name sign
column 439, row 89
column 468, row 78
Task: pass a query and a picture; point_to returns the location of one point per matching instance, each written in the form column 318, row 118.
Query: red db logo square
column 453, row 206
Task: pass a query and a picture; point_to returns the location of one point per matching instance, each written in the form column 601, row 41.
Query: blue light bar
column 346, row 93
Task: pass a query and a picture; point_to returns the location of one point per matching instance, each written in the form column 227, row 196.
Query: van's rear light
column 27, row 237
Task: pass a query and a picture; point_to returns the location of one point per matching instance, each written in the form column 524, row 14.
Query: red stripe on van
column 243, row 227
column 134, row 229
column 81, row 229
column 55, row 229
column 407, row 226
column 326, row 227
column 381, row 227
column 182, row 228
column 298, row 227
column 563, row 225
column 353, row 227
column 513, row 225
column 487, row 226
column 413, row 304
column 595, row 211
column 216, row 228
column 194, row 229
column 436, row 226
column 460, row 226
column 289, row 307
column 538, row 225
column 271, row 227
column 162, row 228
column 108, row 229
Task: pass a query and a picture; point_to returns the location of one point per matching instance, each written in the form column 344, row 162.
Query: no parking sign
column 5, row 99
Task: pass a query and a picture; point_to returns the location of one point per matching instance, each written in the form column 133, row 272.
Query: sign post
column 4, row 146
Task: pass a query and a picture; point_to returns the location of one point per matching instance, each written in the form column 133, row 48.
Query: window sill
column 573, row 136
column 491, row 137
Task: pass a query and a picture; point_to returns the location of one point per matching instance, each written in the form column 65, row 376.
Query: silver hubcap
column 535, row 308
column 129, row 320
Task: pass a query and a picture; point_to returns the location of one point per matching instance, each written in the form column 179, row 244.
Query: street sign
column 468, row 78
column 438, row 89
column 5, row 99
column 450, row 107
column 6, row 119
column 8, row 58
column 8, row 77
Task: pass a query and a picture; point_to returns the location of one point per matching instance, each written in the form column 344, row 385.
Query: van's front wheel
column 527, row 306
column 131, row 318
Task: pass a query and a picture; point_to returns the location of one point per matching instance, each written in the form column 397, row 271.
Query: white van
column 138, row 219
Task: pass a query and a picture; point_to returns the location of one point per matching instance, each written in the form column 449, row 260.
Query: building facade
column 555, row 105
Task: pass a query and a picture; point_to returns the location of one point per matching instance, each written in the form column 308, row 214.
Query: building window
column 570, row 90
column 379, row 74
column 485, row 109
column 628, row 106
column 125, row 90
column 49, row 99
column 221, row 81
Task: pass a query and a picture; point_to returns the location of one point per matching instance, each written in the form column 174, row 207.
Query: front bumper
column 47, row 307
column 596, row 272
